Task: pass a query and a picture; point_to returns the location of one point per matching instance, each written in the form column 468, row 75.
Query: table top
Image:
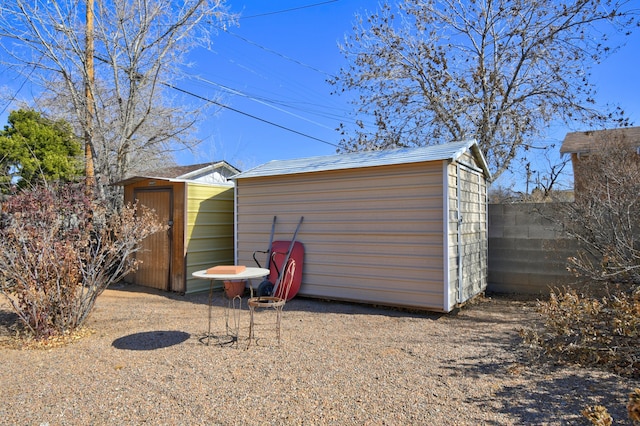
column 244, row 275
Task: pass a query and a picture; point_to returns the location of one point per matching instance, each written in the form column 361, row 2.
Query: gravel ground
column 338, row 363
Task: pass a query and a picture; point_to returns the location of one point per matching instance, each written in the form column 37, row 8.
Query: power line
column 288, row 58
column 299, row 105
column 267, row 103
column 288, row 10
column 247, row 114
column 318, row 110
column 13, row 98
column 270, row 102
column 278, row 53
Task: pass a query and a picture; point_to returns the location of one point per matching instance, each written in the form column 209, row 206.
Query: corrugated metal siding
column 372, row 235
column 474, row 233
column 209, row 236
column 472, row 191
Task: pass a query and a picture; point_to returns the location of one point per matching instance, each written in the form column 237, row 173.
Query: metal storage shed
column 405, row 227
column 197, row 202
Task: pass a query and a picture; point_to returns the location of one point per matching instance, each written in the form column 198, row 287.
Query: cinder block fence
column 527, row 251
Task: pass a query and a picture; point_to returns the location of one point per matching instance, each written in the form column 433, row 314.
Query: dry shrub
column 598, row 415
column 592, row 331
column 633, row 407
column 605, row 217
column 602, row 327
column 59, row 249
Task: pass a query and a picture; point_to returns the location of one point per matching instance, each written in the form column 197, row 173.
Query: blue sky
column 283, row 60
column 274, row 67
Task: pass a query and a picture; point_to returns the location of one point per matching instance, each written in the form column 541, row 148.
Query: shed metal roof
column 584, row 142
column 354, row 160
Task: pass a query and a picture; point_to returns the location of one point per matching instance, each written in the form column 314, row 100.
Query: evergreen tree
column 34, row 149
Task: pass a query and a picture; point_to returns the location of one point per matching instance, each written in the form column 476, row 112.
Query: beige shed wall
column 373, row 235
column 209, row 233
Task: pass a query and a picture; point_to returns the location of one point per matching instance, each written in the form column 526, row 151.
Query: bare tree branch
column 431, row 71
column 138, row 46
column 605, row 218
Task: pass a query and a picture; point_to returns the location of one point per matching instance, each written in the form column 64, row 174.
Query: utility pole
column 88, row 96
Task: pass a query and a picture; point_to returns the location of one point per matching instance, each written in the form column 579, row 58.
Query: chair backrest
column 282, row 291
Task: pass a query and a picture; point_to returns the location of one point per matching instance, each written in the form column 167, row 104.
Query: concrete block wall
column 527, row 251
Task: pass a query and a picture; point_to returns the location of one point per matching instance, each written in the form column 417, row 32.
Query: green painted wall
column 209, row 233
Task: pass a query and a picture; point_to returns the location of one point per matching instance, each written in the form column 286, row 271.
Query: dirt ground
column 146, row 360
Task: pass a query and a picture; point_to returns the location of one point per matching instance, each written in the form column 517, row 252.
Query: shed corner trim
column 446, row 295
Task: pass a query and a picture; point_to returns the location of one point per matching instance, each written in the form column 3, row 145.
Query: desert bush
column 600, row 324
column 605, row 217
column 598, row 415
column 591, row 331
column 60, row 249
column 633, row 407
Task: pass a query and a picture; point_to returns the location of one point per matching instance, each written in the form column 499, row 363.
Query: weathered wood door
column 155, row 254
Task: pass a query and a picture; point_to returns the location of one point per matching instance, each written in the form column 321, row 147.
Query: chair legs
column 277, row 301
column 278, row 322
column 250, row 323
column 264, row 303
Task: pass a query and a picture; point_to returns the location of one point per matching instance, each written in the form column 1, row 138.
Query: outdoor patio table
column 248, row 274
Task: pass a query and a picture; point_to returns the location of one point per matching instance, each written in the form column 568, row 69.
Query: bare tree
column 605, row 218
column 139, row 49
column 430, row 71
column 552, row 172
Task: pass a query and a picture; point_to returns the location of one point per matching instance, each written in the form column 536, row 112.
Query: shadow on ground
column 9, row 322
column 150, row 340
column 539, row 391
column 299, row 303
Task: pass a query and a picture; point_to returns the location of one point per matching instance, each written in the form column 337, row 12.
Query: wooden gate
column 155, row 254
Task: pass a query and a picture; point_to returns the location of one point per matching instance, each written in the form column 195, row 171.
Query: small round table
column 247, row 274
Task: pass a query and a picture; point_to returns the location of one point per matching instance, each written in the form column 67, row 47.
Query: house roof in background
column 178, row 173
column 174, row 171
column 582, row 142
column 353, row 160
